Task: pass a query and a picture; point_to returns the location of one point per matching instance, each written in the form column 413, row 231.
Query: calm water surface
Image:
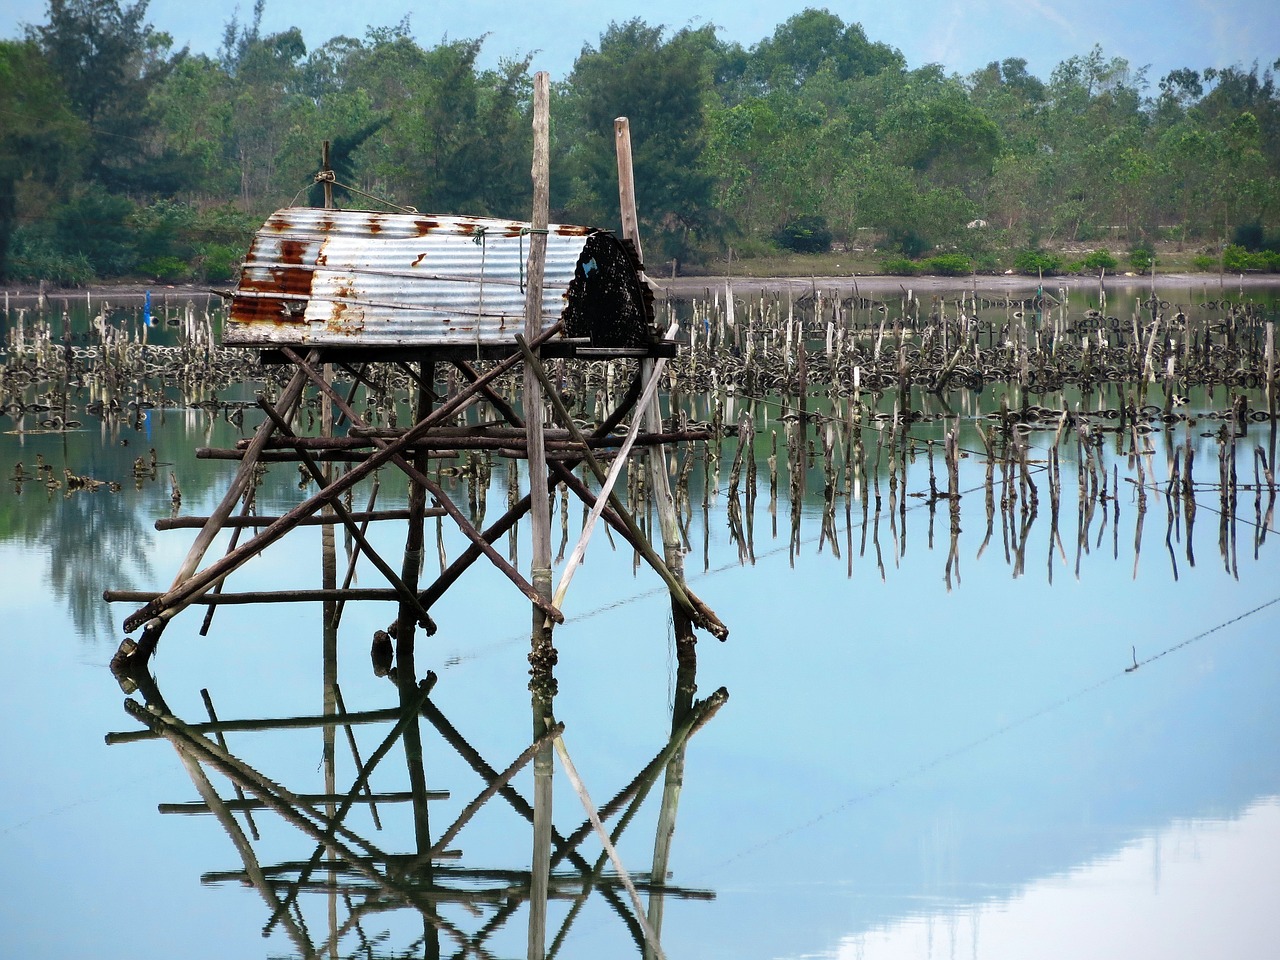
column 930, row 748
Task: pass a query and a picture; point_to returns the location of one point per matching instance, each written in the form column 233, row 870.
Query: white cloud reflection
column 1199, row 888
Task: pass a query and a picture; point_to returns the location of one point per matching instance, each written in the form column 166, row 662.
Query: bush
column 1142, row 258
column 899, row 267
column 909, row 243
column 165, row 269
column 1035, row 262
column 1236, row 259
column 218, row 262
column 1100, row 260
column 1249, row 235
column 987, row 263
column 804, row 235
column 1204, row 263
column 98, row 226
column 33, row 258
column 948, row 265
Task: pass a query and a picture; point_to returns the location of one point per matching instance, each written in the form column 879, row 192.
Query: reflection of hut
column 352, row 279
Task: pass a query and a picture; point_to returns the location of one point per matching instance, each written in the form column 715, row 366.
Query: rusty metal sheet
column 317, row 277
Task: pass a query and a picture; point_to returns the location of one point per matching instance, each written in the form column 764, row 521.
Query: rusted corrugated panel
column 355, row 278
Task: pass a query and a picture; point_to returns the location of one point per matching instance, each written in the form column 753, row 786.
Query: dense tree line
column 122, row 156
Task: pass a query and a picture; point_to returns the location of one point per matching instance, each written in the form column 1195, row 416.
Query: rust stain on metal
column 374, row 279
column 291, row 251
column 261, row 310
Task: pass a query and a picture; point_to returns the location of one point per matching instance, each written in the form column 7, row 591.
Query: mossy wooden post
column 540, row 514
column 659, row 482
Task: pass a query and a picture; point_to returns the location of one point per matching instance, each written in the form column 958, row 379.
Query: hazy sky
column 962, row 35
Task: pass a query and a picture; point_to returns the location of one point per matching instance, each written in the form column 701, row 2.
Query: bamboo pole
column 178, row 597
column 542, row 653
column 603, row 497
column 668, row 521
column 396, row 447
column 651, row 940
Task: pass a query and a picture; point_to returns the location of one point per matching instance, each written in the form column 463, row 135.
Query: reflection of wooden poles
column 493, row 787
column 408, row 718
column 399, row 796
column 671, row 787
column 277, row 723
column 651, row 940
column 261, row 596
column 301, row 815
column 564, row 849
column 252, row 869
column 222, row 742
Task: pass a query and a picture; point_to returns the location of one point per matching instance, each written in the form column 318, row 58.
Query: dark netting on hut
column 607, row 301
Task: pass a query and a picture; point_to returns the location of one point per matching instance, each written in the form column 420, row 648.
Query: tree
column 663, row 87
column 42, row 142
column 108, row 60
column 806, row 42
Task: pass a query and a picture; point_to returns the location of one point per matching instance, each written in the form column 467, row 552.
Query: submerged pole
column 542, row 654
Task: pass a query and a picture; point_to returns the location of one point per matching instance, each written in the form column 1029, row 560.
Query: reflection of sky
column 1197, row 888
column 897, row 762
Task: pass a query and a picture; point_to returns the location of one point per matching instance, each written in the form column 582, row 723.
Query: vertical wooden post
column 328, row 182
column 659, row 482
column 541, row 510
column 540, row 514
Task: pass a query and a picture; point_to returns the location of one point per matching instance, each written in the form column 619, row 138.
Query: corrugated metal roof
column 348, row 278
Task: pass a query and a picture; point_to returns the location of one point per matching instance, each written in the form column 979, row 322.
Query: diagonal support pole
column 437, row 492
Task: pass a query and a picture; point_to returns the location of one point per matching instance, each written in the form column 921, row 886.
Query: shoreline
column 685, row 287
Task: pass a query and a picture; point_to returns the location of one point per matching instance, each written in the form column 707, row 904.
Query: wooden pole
column 540, row 512
column 659, row 482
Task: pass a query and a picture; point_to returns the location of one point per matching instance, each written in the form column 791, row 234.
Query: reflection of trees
column 90, row 537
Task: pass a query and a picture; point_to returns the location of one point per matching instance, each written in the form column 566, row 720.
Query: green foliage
column 663, row 87
column 908, row 242
column 804, row 235
column 218, row 263
column 899, row 267
column 127, row 155
column 1037, row 263
column 98, row 226
column 1205, row 263
column 1142, row 258
column 1249, row 235
column 1235, row 259
column 165, row 269
column 948, row 265
column 34, row 257
column 109, row 60
column 1097, row 260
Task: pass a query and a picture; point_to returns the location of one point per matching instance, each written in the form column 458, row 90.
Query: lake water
column 971, row 726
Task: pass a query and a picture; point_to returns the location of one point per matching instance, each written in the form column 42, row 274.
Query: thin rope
column 327, row 176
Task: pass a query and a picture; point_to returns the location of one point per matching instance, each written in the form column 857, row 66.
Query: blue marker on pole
column 146, row 311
